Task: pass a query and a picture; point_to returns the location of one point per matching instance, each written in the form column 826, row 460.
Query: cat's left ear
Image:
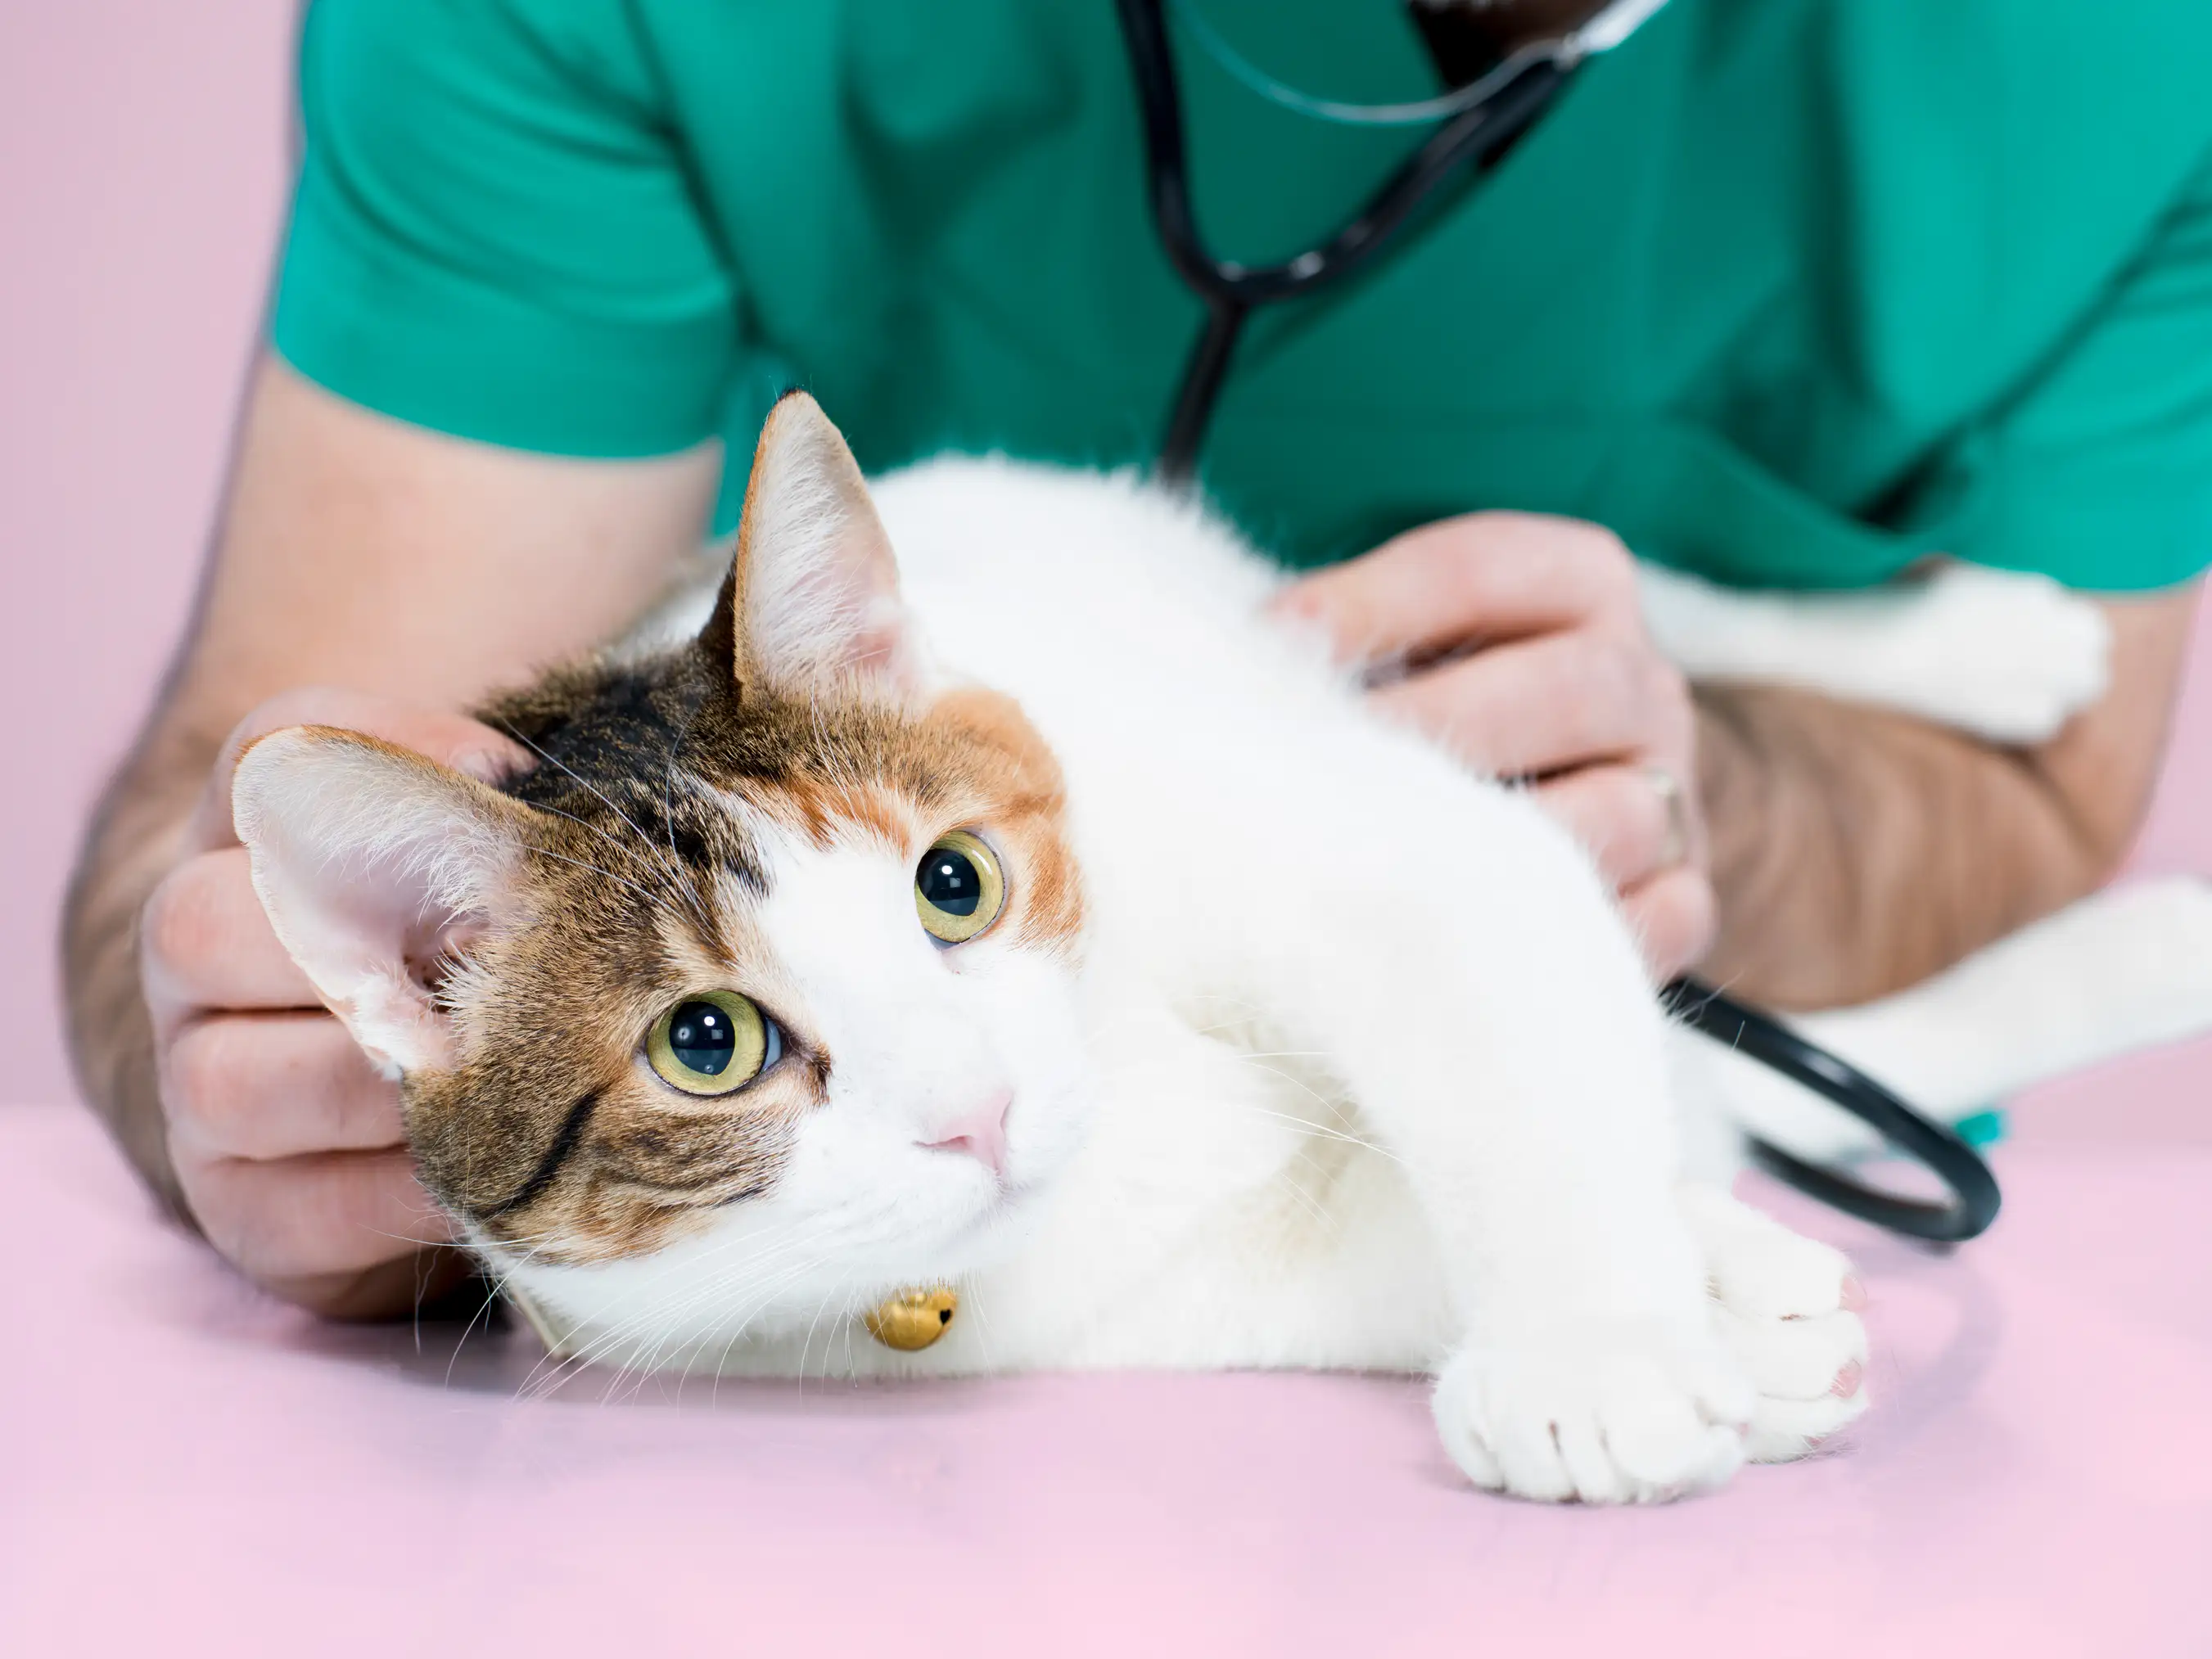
column 812, row 605
column 377, row 868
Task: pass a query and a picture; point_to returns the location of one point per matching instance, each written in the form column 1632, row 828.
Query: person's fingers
column 205, row 942
column 1621, row 815
column 1542, row 705
column 275, row 1085
column 1484, row 577
column 1674, row 917
column 307, row 1217
column 455, row 740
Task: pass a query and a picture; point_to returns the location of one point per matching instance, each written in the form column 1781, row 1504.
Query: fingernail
column 1855, row 1293
column 1847, row 1380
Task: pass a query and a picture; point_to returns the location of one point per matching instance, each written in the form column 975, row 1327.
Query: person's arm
column 410, row 574
column 1832, row 852
column 1854, row 852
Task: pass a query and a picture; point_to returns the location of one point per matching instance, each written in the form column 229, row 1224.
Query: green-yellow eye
column 714, row 1044
column 958, row 889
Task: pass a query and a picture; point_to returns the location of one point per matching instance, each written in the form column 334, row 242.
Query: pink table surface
column 189, row 1468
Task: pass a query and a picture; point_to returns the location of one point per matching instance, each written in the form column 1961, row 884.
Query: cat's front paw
column 1603, row 1410
column 1789, row 1309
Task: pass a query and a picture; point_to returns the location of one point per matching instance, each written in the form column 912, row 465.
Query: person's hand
column 285, row 1140
column 1517, row 643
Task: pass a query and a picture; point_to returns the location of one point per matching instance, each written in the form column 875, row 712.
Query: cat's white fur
column 1362, row 1069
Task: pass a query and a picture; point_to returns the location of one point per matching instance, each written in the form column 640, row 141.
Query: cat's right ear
column 812, row 605
column 377, row 868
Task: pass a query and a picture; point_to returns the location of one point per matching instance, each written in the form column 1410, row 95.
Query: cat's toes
column 1602, row 1412
column 1810, row 1376
column 1758, row 1269
column 1787, row 1308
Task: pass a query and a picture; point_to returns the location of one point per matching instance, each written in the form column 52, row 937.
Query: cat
column 1022, row 914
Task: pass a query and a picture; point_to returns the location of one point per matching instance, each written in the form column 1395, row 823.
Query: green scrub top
column 1787, row 292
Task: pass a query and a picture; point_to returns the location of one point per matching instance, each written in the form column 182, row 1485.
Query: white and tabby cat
column 1029, row 916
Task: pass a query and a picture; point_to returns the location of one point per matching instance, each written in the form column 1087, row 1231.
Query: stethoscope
column 1475, row 125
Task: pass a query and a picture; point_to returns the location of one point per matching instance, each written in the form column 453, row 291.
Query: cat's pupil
column 949, row 881
column 701, row 1037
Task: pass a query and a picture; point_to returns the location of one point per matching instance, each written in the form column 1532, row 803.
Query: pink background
column 143, row 180
column 186, row 1468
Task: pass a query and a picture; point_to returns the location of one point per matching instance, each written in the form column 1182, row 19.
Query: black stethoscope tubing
column 1975, row 1198
column 1475, row 138
column 1232, row 291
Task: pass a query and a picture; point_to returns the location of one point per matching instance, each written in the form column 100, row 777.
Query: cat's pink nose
column 980, row 1132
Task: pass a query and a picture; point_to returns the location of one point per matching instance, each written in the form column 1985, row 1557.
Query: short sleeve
column 495, row 234
column 2098, row 470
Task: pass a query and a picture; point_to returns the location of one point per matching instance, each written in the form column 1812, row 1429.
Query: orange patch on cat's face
column 971, row 760
column 1027, row 808
column 826, row 811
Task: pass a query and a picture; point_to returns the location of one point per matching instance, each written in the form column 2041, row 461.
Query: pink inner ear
column 826, row 617
column 879, row 644
column 822, row 608
column 375, row 866
column 378, row 951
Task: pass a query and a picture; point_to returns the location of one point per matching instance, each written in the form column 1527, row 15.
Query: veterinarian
column 1789, row 292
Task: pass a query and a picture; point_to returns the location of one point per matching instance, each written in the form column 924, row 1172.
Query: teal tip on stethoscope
column 1473, row 125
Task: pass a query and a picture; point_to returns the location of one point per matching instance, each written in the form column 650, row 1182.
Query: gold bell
column 913, row 1320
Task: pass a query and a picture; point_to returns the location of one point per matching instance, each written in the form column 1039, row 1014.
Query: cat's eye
column 714, row 1044
column 958, row 888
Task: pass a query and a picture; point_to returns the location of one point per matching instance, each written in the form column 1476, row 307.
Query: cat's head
column 760, row 991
